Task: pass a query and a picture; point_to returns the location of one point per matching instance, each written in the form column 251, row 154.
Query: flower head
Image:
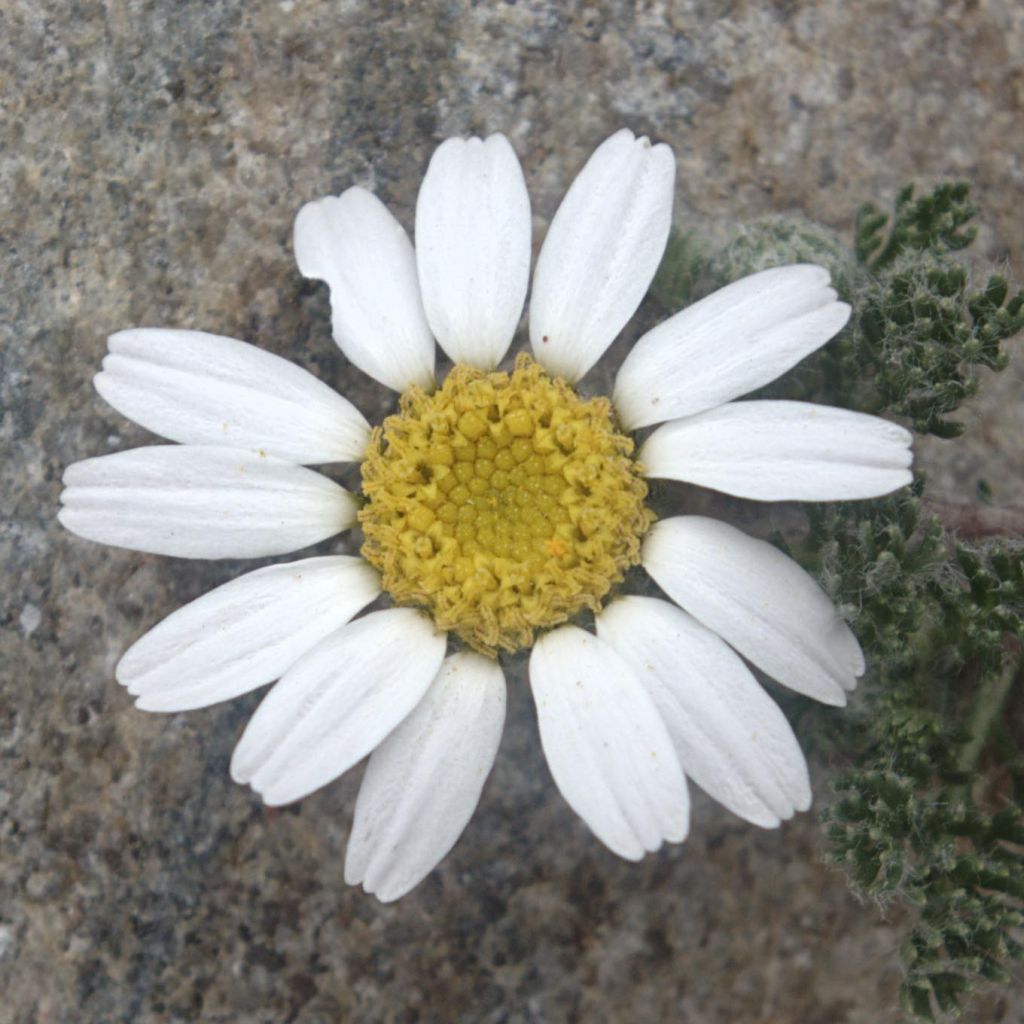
column 495, row 509
column 503, row 503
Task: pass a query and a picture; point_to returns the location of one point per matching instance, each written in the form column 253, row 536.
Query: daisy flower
column 497, row 510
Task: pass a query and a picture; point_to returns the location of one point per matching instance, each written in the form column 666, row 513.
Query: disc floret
column 503, row 503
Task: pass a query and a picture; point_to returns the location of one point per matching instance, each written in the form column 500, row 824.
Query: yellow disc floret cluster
column 503, row 503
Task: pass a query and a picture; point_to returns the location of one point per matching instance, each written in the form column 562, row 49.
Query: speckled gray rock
column 152, row 157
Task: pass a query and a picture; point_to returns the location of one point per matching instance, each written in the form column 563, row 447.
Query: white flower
column 661, row 691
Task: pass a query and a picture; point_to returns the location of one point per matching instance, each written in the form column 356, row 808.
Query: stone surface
column 152, row 157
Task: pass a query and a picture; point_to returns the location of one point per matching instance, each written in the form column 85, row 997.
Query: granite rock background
column 152, row 157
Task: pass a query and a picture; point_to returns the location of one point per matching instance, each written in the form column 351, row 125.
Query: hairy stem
column 973, row 520
column 987, row 711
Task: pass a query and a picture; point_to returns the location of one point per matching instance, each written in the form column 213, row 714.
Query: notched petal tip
column 275, row 800
column 626, row 137
column 78, row 473
column 317, row 222
column 356, row 246
column 307, row 235
column 388, row 895
column 494, row 140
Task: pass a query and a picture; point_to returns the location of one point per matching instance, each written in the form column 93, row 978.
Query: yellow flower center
column 502, row 503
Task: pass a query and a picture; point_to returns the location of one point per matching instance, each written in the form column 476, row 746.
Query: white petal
column 201, row 388
column 734, row 341
column 782, row 451
column 757, row 600
column 337, row 703
column 245, row 633
column 199, row 502
column 606, row 745
column 423, row 782
column 601, row 252
column 473, row 248
column 353, row 243
column 731, row 737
